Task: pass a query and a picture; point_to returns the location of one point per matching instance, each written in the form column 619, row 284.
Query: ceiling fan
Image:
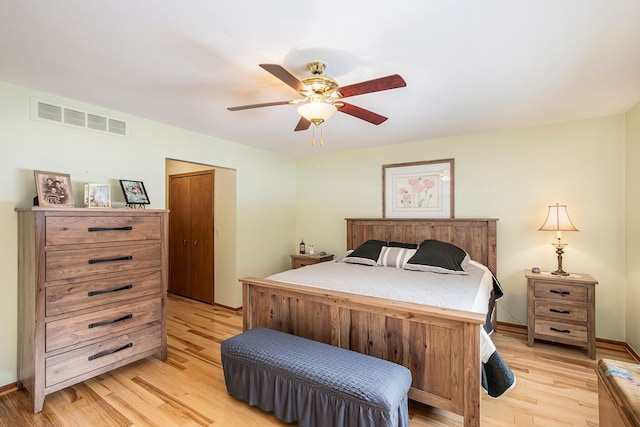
column 322, row 96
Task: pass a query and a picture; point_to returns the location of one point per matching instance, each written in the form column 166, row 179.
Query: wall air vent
column 65, row 115
column 117, row 126
column 96, row 122
column 73, row 117
column 49, row 112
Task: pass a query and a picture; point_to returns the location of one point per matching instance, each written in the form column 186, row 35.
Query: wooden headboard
column 476, row 236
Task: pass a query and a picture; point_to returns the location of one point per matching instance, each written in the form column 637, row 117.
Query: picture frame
column 422, row 189
column 97, row 195
column 54, row 189
column 134, row 192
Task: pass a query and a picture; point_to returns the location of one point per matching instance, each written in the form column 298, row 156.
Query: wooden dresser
column 91, row 293
column 562, row 309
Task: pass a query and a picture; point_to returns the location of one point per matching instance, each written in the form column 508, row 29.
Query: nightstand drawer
column 563, row 291
column 545, row 308
column 298, row 261
column 561, row 331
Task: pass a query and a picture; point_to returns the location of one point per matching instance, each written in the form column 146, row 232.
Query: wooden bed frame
column 441, row 347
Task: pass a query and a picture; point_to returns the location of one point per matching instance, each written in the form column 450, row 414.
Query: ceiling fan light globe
column 317, row 111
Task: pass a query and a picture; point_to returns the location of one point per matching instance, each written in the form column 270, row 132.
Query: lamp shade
column 558, row 220
column 317, row 112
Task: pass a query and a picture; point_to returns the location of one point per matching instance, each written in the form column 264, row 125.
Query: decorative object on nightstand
column 299, row 260
column 302, row 247
column 562, row 309
column 558, row 221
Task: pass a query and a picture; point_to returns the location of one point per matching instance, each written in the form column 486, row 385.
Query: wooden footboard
column 441, row 347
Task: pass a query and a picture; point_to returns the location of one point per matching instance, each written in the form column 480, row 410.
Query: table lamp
column 558, row 221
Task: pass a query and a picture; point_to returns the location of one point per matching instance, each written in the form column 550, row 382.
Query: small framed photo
column 54, row 189
column 97, row 196
column 134, row 192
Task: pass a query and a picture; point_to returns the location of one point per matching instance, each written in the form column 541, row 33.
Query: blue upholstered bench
column 313, row 383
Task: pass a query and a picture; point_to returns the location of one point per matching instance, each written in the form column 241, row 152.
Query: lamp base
column 559, row 251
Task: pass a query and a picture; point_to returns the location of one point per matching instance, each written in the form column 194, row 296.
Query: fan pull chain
column 313, row 138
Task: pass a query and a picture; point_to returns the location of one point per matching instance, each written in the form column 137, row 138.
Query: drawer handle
column 122, row 258
column 109, row 322
column 127, row 228
column 555, row 310
column 562, row 331
column 108, row 291
column 553, row 291
column 108, row 352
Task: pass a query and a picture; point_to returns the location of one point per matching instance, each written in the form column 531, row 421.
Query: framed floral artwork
column 418, row 189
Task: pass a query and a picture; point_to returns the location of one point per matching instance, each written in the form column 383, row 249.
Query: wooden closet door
column 202, row 265
column 191, row 235
column 179, row 235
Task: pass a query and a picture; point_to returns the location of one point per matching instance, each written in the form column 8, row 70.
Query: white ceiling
column 470, row 65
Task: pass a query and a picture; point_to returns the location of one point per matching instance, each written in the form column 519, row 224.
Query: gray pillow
column 395, row 256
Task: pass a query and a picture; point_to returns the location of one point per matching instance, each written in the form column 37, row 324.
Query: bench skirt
column 313, row 383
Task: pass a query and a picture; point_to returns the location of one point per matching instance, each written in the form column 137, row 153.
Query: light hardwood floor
column 556, row 385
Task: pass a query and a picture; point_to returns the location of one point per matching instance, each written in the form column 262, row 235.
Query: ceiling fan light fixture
column 317, row 112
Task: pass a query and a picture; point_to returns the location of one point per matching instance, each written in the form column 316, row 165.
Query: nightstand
column 298, row 260
column 562, row 309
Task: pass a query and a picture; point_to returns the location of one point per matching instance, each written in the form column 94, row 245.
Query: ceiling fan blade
column 303, row 124
column 266, row 104
column 375, row 85
column 279, row 72
column 361, row 113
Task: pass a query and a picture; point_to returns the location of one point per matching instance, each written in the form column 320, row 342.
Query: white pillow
column 395, row 257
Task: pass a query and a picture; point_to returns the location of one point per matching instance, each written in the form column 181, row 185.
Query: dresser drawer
column 555, row 290
column 67, row 264
column 73, row 330
column 68, row 230
column 83, row 360
column 558, row 310
column 561, row 331
column 116, row 288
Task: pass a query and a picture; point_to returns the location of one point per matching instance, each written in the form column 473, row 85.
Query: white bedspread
column 463, row 292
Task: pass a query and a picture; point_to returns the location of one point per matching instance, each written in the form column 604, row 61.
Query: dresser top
column 90, row 210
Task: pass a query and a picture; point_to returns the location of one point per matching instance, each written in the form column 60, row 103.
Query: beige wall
column 510, row 175
column 265, row 186
column 633, row 228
